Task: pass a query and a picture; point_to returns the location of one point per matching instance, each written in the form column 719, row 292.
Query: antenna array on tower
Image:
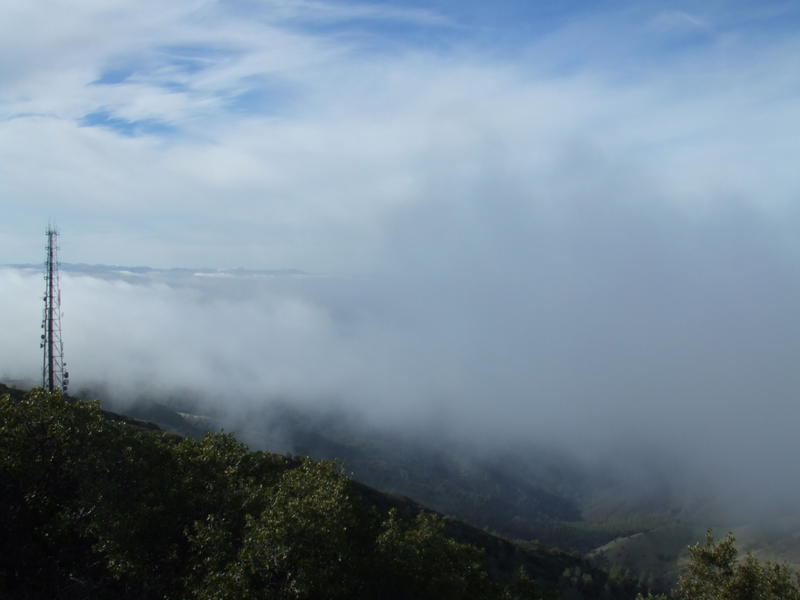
column 54, row 373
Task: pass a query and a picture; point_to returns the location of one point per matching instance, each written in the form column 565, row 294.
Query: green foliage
column 50, row 466
column 90, row 507
column 715, row 573
column 524, row 587
column 304, row 541
column 424, row 563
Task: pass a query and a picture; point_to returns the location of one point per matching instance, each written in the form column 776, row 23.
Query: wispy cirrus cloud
column 309, row 137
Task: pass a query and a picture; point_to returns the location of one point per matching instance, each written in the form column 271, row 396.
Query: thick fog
column 604, row 326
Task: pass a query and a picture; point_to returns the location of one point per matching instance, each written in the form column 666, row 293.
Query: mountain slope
column 95, row 505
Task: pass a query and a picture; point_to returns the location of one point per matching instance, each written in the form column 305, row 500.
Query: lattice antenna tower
column 54, row 373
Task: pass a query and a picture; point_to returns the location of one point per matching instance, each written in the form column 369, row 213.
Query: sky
column 524, row 218
column 280, row 133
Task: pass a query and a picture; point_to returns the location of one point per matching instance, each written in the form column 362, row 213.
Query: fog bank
column 617, row 329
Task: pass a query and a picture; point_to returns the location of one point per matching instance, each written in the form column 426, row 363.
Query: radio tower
column 54, row 374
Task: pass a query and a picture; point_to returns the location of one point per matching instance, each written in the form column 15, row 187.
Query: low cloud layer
column 606, row 328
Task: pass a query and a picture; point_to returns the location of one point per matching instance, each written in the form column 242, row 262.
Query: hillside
column 530, row 494
column 100, row 505
column 524, row 492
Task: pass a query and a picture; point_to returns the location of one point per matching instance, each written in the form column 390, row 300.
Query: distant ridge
column 144, row 270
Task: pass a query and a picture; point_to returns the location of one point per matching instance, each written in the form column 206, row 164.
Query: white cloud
column 310, row 10
column 677, row 20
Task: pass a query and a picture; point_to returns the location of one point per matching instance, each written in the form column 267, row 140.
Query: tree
column 714, row 572
column 306, row 542
column 422, row 562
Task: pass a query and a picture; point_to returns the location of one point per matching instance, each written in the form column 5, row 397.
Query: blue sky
column 168, row 135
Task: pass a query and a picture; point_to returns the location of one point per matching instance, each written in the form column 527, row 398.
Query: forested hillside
column 530, row 493
column 527, row 493
column 94, row 506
